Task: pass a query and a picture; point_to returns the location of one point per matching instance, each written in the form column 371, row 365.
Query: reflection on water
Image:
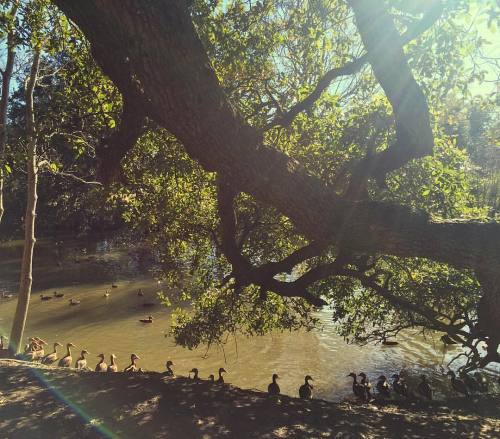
column 85, row 271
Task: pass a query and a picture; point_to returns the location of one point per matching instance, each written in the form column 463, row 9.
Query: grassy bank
column 42, row 402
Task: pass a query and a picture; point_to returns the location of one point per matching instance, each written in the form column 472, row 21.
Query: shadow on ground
column 42, row 402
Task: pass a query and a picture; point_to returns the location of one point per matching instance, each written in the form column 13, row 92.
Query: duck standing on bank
column 274, row 388
column 52, row 357
column 132, row 367
column 194, row 371
column 211, row 378
column 220, row 380
column 81, row 362
column 357, row 388
column 424, row 388
column 67, row 359
column 457, row 384
column 399, row 385
column 101, row 366
column 306, row 390
column 113, row 367
column 382, row 387
column 365, row 382
column 169, row 372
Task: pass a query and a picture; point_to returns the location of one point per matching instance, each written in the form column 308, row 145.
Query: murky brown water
column 110, row 325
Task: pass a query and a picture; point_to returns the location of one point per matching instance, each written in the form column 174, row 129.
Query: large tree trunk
column 156, row 44
column 26, row 281
column 4, row 104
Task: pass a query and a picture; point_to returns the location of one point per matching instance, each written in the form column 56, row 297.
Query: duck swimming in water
column 221, row 378
column 52, row 357
column 74, row 302
column 424, row 389
column 274, row 388
column 101, row 366
column 399, row 385
column 113, row 367
column 58, row 295
column 42, row 297
column 457, row 384
column 169, row 372
column 306, row 390
column 67, row 359
column 81, row 362
column 132, row 367
column 383, row 387
column 148, row 320
column 194, row 371
column 386, row 342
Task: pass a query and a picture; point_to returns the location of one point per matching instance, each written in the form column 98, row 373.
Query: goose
column 81, row 363
column 273, row 388
column 399, row 385
column 457, row 384
column 74, row 302
column 424, row 388
column 42, row 297
column 58, row 295
column 132, row 367
column 357, row 388
column 305, row 391
column 67, row 359
column 367, row 386
column 383, row 386
column 51, row 358
column 113, row 367
column 101, row 366
column 221, row 378
column 194, row 371
column 148, row 320
column 169, row 372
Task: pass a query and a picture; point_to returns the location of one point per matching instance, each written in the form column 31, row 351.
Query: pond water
column 85, row 270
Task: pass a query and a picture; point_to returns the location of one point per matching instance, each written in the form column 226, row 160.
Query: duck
column 457, row 384
column 140, row 293
column 58, row 295
column 81, row 362
column 386, row 342
column 194, row 371
column 306, row 390
column 447, row 340
column 357, row 388
column 211, row 378
column 42, row 297
column 114, row 286
column 7, row 296
column 367, row 386
column 399, row 385
column 132, row 367
column 482, row 381
column 112, row 367
column 424, row 388
column 67, row 359
column 169, row 372
column 221, row 378
column 52, row 357
column 383, row 386
column 101, row 366
column 74, row 302
column 274, row 388
column 148, row 320
column 471, row 383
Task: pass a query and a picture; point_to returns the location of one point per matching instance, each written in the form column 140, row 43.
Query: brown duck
column 113, row 367
column 67, row 359
column 81, row 363
column 101, row 366
column 51, row 358
column 132, row 367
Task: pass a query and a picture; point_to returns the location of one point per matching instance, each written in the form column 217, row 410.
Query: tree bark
column 26, row 280
column 4, row 104
column 158, row 43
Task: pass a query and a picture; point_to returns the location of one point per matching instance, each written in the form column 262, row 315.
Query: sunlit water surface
column 84, row 271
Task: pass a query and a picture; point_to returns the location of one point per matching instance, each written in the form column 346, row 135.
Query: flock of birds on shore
column 362, row 389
